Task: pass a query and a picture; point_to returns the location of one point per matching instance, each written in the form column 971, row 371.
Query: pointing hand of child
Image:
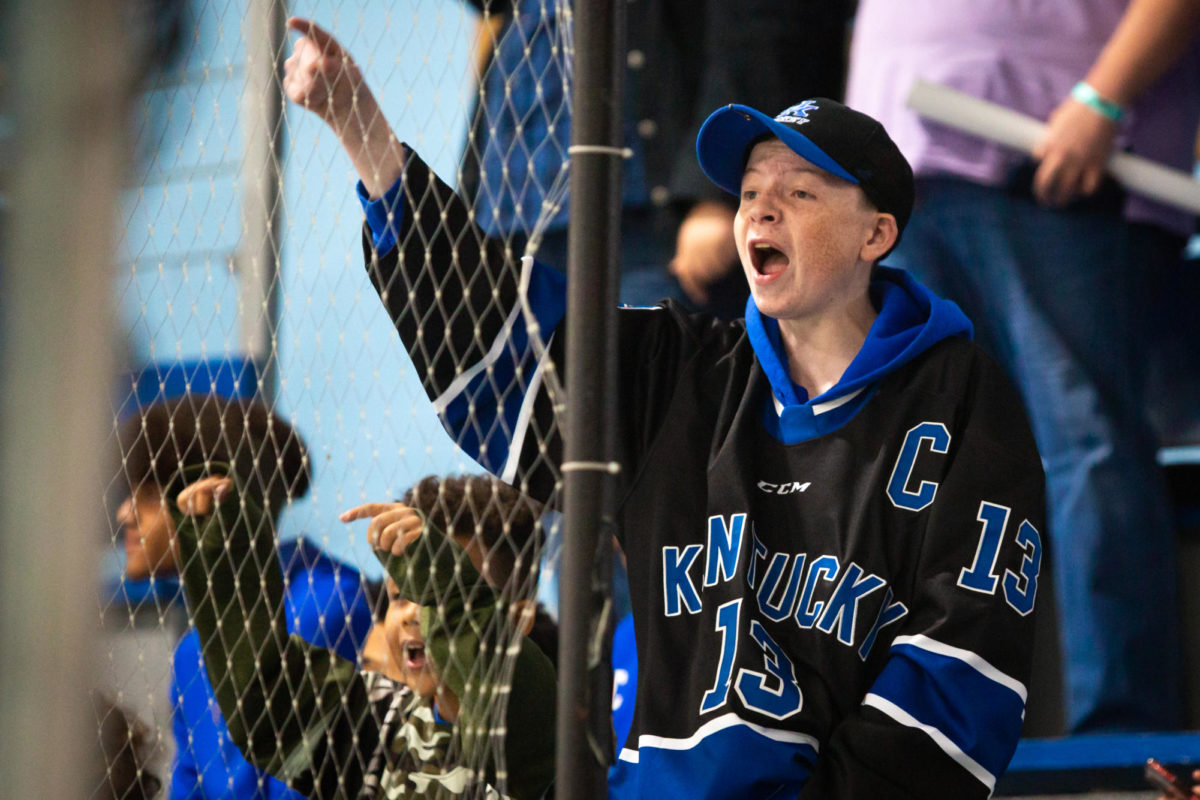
column 201, row 498
column 392, row 528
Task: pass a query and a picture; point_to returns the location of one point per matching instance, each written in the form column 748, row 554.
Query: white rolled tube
column 1020, row 132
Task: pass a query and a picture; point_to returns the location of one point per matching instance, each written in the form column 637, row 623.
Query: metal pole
column 584, row 742
column 262, row 176
column 69, row 97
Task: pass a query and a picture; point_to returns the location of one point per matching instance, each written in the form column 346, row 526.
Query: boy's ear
column 521, row 614
column 883, row 236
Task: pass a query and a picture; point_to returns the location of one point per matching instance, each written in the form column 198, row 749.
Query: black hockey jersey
column 833, row 597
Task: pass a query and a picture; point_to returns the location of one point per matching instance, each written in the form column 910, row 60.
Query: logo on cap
column 797, row 114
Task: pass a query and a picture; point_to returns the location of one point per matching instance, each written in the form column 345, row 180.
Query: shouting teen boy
column 831, row 510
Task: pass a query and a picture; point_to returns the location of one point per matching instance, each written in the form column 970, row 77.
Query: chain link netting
column 254, row 644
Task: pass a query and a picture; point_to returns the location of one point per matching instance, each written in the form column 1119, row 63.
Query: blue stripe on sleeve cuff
column 384, row 216
column 482, row 416
column 978, row 714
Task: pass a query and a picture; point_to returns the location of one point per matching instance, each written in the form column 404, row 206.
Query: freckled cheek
column 824, row 251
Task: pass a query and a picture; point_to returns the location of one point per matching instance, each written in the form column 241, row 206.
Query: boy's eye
column 801, row 194
column 749, row 194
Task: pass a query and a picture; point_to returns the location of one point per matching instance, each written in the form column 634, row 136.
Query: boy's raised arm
column 293, row 709
column 322, row 77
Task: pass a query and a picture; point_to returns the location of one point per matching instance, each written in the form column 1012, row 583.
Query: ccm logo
column 783, row 488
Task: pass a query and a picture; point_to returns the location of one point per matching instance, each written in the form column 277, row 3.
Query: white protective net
column 256, row 349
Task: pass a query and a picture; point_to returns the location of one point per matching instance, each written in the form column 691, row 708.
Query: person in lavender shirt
column 1054, row 263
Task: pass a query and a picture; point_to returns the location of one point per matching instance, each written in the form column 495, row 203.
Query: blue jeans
column 1060, row 298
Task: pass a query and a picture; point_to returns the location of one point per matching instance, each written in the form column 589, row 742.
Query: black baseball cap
column 838, row 139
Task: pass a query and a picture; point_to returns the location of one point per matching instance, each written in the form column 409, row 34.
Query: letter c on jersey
column 898, row 485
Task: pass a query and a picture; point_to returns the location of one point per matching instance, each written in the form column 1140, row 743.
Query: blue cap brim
column 724, row 136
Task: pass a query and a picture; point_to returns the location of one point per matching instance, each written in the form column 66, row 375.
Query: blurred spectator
column 457, row 597
column 494, row 523
column 1173, row 398
column 324, row 602
column 1054, row 262
column 682, row 59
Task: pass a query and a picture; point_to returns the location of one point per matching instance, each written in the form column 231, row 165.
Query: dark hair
column 376, row 594
column 265, row 453
column 504, row 520
column 757, row 140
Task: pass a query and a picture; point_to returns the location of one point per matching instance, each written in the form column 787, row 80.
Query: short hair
column 377, row 599
column 504, row 520
column 265, row 454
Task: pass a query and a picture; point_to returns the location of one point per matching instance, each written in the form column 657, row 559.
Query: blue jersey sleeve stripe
column 383, row 230
column 974, row 660
column 724, row 722
column 504, row 341
column 981, row 773
column 772, row 762
column 940, row 689
column 487, row 408
column 483, row 417
column 545, row 292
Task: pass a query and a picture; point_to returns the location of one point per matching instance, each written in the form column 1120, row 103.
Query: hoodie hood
column 911, row 320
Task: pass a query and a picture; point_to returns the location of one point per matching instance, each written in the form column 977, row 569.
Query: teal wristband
column 1084, row 93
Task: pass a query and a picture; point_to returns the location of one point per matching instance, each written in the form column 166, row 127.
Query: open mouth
column 414, row 655
column 767, row 259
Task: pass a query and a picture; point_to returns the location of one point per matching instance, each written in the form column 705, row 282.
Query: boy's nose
column 763, row 209
column 410, row 612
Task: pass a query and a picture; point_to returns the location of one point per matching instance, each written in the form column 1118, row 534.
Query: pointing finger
column 322, row 38
column 201, row 497
column 365, row 510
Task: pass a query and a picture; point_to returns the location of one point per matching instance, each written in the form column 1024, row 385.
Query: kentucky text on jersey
column 818, row 593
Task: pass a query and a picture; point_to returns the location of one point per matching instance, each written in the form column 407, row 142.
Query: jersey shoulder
column 958, row 373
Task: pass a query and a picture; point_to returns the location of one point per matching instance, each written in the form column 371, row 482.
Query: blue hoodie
column 911, row 320
column 326, row 605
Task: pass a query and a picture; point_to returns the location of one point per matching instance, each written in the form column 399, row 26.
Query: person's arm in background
column 704, row 248
column 767, row 54
column 308, row 734
column 1151, row 37
column 1182, row 794
column 487, row 33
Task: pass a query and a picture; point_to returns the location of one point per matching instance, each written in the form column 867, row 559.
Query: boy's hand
column 200, row 498
column 394, row 526
column 320, row 75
